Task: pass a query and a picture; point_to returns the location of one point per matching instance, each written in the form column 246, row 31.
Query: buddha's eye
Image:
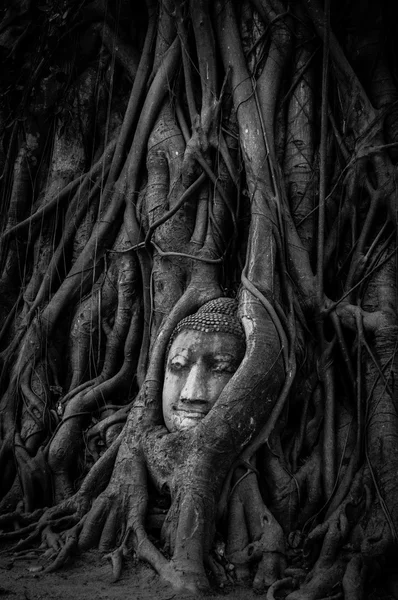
column 223, row 367
column 177, row 364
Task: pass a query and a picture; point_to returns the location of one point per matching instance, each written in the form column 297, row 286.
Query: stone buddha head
column 204, row 352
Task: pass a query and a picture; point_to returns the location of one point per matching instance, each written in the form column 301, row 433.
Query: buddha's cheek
column 171, row 393
column 215, row 385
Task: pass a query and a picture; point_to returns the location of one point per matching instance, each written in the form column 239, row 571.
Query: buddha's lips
column 195, row 414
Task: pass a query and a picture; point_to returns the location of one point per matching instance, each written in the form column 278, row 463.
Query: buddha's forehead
column 201, row 342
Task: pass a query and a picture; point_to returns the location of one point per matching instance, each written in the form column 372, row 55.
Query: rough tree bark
column 156, row 157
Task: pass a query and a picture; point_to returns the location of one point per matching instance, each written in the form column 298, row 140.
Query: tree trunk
column 159, row 157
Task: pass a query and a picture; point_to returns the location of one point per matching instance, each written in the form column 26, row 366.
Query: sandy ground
column 88, row 577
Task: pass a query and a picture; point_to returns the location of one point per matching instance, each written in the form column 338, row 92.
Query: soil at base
column 88, row 577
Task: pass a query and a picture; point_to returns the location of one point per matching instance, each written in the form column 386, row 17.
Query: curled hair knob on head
column 218, row 315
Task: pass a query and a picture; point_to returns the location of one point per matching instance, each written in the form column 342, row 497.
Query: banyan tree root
column 193, row 465
column 354, row 578
column 180, row 209
column 336, row 544
column 254, row 535
column 69, row 512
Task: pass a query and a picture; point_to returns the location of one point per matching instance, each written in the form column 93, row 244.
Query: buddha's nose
column 194, row 389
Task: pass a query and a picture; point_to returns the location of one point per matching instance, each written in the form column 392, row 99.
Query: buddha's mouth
column 194, row 413
column 191, row 413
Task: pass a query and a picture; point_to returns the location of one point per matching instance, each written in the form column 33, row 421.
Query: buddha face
column 198, row 367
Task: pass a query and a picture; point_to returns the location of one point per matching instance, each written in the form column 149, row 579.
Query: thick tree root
column 69, row 548
column 116, row 557
column 68, row 513
column 280, row 584
column 266, row 539
column 319, row 582
column 354, row 578
column 221, row 574
column 18, row 519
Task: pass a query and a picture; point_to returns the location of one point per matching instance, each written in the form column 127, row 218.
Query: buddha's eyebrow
column 183, row 352
column 222, row 357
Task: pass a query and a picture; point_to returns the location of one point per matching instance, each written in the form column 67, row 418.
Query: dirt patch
column 88, row 577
